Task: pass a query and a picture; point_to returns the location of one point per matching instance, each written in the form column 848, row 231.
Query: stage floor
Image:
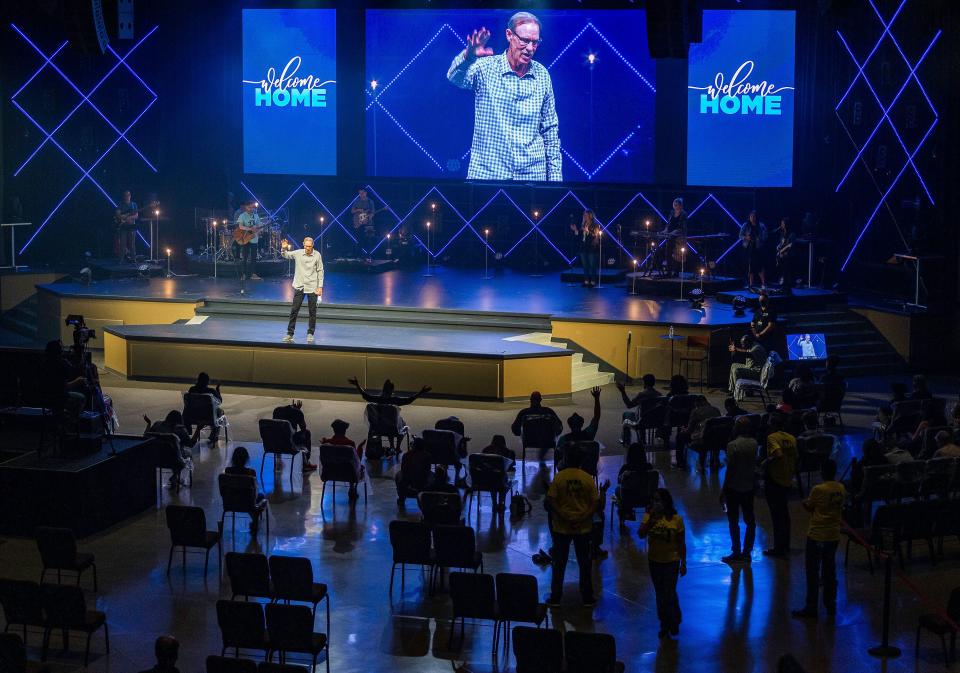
column 446, row 290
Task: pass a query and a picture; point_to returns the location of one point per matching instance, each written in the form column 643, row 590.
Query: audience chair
column 168, row 458
column 293, row 581
column 13, row 656
column 336, row 465
column 444, row 449
column 744, row 387
column 651, row 418
column 518, row 600
column 58, row 551
column 411, row 543
column 908, row 479
column 65, row 609
column 635, row 490
column 242, row 625
column 454, row 425
column 878, row 485
column 947, row 521
column 928, row 441
column 811, row 453
column 715, row 437
column 441, row 507
column 290, row 629
column 937, row 478
column 887, row 529
column 277, row 437
column 488, row 474
column 830, row 402
column 238, row 493
column 456, row 547
column 679, row 408
column 249, row 575
column 536, row 432
column 384, row 422
column 591, row 653
column 919, row 519
column 21, row 604
column 188, row 528
column 939, row 626
column 201, row 410
column 218, row 664
column 537, row 650
column 473, row 595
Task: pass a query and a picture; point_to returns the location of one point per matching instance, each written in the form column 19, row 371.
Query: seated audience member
column 387, row 395
column 238, row 466
column 635, row 461
column 536, row 408
column 946, row 447
column 579, row 433
column 679, row 385
column 172, row 424
column 920, row 389
column 630, row 473
column 498, row 446
column 731, row 409
column 166, row 649
column 202, row 387
column 415, row 473
column 293, row 414
column 832, row 377
column 929, row 418
column 873, row 453
column 756, row 357
column 60, row 383
column 340, row 439
column 801, row 392
column 693, row 432
column 632, row 412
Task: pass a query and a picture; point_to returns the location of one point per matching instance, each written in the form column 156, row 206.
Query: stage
column 466, row 336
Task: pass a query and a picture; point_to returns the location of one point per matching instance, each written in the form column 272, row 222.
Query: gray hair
column 523, row 17
column 308, row 238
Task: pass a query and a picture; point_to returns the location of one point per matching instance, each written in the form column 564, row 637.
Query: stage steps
column 22, row 318
column 863, row 349
column 584, row 375
column 378, row 315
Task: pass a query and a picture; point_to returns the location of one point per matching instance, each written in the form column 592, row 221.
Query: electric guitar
column 125, row 221
column 362, row 218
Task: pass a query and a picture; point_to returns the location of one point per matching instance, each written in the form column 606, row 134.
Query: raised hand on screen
column 477, row 44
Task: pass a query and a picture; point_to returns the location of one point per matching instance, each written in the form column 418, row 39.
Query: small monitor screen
column 807, row 346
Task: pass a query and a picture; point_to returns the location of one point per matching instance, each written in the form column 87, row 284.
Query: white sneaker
column 288, row 338
column 309, row 338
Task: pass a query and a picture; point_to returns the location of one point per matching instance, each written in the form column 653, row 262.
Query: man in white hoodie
column 307, row 280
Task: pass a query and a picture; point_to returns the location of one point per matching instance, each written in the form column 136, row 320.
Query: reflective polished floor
column 735, row 619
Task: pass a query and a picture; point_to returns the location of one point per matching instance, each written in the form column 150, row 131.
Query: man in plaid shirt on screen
column 515, row 115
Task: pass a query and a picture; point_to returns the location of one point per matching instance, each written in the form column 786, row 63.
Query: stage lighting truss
column 375, row 93
column 468, row 225
column 85, row 99
column 886, row 33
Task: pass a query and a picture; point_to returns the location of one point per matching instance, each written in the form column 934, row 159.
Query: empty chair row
column 549, row 651
column 271, row 629
column 503, row 599
column 433, row 547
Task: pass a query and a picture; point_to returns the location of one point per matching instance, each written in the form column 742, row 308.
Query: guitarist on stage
column 784, row 254
column 125, row 218
column 753, row 239
column 363, row 211
column 245, row 239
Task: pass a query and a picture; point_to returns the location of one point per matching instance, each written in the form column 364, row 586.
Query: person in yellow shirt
column 780, row 467
column 572, row 500
column 667, row 557
column 825, row 505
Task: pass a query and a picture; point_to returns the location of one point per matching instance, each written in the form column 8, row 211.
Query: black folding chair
column 249, row 575
column 290, row 629
column 293, row 581
column 411, row 544
column 58, row 551
column 242, row 626
column 537, row 650
column 65, row 609
column 277, row 437
column 474, row 596
column 188, row 529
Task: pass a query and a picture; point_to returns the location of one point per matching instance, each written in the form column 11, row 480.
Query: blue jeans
column 590, row 260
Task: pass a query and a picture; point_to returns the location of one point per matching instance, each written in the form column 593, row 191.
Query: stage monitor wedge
column 289, row 91
column 740, row 100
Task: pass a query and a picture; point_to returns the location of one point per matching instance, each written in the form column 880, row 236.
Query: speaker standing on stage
column 676, row 227
column 753, row 237
column 307, row 280
column 589, row 235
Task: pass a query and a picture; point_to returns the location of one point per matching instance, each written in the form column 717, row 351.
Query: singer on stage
column 307, row 280
column 515, row 123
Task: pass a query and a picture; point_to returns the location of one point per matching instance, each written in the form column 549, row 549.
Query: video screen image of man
column 515, row 128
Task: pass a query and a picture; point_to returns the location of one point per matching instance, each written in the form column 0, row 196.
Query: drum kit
column 219, row 236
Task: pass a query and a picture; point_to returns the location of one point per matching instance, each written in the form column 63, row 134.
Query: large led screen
column 740, row 100
column 289, row 91
column 581, row 109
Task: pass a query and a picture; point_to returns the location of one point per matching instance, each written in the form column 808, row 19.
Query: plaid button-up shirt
column 515, row 123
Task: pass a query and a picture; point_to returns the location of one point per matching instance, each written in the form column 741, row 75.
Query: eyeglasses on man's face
column 526, row 41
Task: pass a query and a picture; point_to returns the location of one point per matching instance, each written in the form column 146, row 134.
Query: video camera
column 81, row 333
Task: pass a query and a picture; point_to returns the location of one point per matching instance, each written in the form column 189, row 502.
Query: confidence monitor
column 806, row 347
column 289, row 91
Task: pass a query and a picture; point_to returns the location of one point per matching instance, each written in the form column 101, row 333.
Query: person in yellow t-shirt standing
column 825, row 505
column 572, row 500
column 780, row 467
column 667, row 557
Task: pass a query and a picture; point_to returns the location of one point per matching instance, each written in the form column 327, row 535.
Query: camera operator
column 62, row 385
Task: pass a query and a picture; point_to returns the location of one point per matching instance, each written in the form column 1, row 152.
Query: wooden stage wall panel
column 18, row 287
column 648, row 352
column 458, row 377
column 99, row 313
